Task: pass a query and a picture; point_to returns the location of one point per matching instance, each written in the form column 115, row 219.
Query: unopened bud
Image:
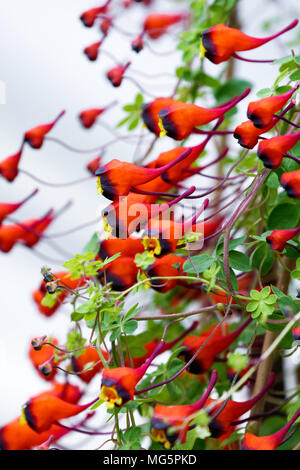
column 37, row 343
column 51, row 287
column 46, row 369
column 46, row 273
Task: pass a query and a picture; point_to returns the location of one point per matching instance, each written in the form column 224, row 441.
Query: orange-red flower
column 18, row 435
column 137, row 44
column 179, row 120
column 166, row 266
column 150, row 113
column 35, row 136
column 90, row 355
column 115, row 75
column 247, row 134
column 92, row 51
column 156, row 24
column 94, row 164
column 215, row 345
column 271, row 151
column 9, row 166
column 278, row 238
column 291, row 183
column 89, row 116
column 118, row 385
column 177, row 172
column 27, row 232
column 40, row 293
column 270, row 442
column 89, row 17
column 221, row 422
column 296, row 333
column 127, row 247
column 163, row 235
column 7, row 208
column 42, row 412
column 122, row 273
column 261, row 112
column 220, row 42
column 176, row 418
column 118, row 178
column 42, row 356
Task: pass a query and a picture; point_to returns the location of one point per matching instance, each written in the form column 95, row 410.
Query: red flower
column 92, row 51
column 105, row 25
column 291, row 183
column 166, row 266
column 42, row 412
column 42, row 356
column 220, row 42
column 115, row 75
column 177, row 172
column 39, row 294
column 89, row 17
column 156, row 24
column 210, row 350
column 118, row 178
column 261, row 112
column 8, row 208
column 127, row 247
column 247, row 134
column 271, row 442
column 118, row 385
column 94, row 164
column 279, row 238
column 90, row 355
column 150, row 113
column 9, row 166
column 35, row 136
column 177, row 417
column 271, row 151
column 88, row 117
column 179, row 120
column 17, row 435
column 137, row 44
column 122, row 273
column 221, row 423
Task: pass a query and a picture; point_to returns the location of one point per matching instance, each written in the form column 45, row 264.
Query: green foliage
column 134, row 112
column 262, row 303
column 84, row 265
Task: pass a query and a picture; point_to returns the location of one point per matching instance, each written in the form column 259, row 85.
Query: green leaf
column 239, row 261
column 93, row 245
column 115, row 334
column 265, row 292
column 252, row 306
column 201, row 262
column 255, row 294
column 272, row 181
column 283, row 217
column 132, row 311
column 295, row 75
column 232, row 87
column 75, row 316
column 262, row 255
column 264, row 93
column 130, row 326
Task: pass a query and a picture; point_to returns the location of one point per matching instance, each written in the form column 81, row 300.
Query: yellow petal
column 202, row 50
column 99, row 188
column 163, row 131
